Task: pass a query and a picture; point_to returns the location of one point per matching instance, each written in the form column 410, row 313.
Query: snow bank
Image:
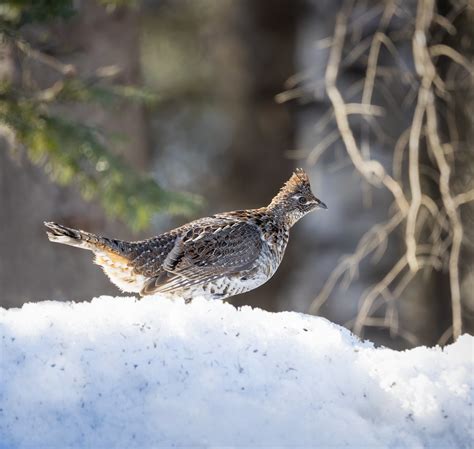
column 122, row 373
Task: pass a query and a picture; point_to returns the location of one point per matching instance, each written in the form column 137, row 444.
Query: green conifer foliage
column 68, row 151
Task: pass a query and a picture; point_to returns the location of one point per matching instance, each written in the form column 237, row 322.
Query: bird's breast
column 273, row 251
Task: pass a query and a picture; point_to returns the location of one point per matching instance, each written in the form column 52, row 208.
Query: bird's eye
column 302, row 200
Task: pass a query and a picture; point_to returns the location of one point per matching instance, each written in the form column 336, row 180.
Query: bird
column 215, row 257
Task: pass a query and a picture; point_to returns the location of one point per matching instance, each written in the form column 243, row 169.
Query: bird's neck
column 282, row 214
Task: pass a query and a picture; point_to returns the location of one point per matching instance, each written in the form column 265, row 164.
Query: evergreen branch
column 72, row 153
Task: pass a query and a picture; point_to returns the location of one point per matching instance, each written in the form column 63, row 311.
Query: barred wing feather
column 207, row 252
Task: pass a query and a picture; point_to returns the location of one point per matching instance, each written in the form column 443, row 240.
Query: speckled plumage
column 215, row 257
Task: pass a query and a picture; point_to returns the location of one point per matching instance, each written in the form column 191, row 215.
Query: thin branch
column 463, row 198
column 367, row 244
column 376, row 291
column 423, row 20
column 444, row 50
column 322, row 146
column 453, row 215
column 432, row 231
column 371, row 170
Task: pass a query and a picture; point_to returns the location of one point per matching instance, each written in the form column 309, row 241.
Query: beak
column 321, row 205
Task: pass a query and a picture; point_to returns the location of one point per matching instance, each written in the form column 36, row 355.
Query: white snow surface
column 123, row 373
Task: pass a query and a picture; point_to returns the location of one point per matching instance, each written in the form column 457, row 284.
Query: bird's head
column 295, row 199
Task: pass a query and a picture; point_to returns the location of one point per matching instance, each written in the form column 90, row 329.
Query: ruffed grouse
column 215, row 257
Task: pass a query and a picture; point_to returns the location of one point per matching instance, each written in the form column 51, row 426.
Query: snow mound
column 122, row 373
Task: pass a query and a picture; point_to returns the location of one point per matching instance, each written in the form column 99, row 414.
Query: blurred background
column 128, row 118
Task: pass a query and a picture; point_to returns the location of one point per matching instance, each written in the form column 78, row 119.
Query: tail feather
column 81, row 239
column 68, row 236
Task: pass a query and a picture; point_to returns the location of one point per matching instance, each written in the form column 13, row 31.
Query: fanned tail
column 81, row 239
column 112, row 255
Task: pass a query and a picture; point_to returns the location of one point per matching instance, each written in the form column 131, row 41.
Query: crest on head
column 299, row 182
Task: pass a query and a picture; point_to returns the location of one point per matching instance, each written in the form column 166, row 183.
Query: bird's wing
column 206, row 252
column 147, row 256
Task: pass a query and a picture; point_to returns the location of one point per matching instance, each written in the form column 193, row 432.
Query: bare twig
column 463, row 198
column 429, row 219
column 371, row 170
column 368, row 243
column 451, row 209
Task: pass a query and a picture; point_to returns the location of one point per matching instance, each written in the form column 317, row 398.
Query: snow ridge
column 122, row 373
